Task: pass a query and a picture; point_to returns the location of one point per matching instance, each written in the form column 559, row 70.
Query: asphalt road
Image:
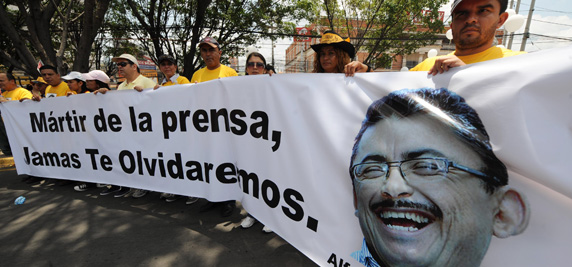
column 57, row 226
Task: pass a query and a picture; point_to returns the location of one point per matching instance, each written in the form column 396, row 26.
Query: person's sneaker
column 110, row 190
column 227, row 209
column 101, row 185
column 34, row 180
column 82, row 187
column 122, row 192
column 266, row 229
column 247, row 222
column 173, row 198
column 165, row 195
column 207, row 206
column 191, row 200
column 139, row 193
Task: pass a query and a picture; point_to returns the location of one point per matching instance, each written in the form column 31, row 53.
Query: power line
column 548, row 9
column 553, row 37
column 550, row 22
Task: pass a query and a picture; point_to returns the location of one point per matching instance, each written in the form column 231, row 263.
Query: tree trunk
column 93, row 17
column 189, row 58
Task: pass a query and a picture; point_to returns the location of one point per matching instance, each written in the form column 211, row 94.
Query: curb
column 6, row 162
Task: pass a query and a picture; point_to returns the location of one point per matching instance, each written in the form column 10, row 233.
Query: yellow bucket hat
column 39, row 80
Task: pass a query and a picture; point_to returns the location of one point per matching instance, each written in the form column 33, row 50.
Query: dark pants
column 4, row 144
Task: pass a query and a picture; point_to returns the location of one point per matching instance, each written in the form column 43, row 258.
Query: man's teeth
column 401, row 228
column 404, row 215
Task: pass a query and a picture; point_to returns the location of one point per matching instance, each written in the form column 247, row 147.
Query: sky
column 550, row 18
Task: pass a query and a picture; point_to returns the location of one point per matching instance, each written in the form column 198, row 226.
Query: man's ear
column 502, row 19
column 512, row 215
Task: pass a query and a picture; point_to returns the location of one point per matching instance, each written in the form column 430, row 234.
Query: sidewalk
column 57, row 226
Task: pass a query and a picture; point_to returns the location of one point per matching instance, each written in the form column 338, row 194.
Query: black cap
column 168, row 58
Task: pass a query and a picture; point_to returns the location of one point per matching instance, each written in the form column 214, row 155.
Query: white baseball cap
column 74, row 75
column 96, row 75
column 127, row 57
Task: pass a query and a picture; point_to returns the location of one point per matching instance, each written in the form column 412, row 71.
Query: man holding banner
column 211, row 53
column 56, row 87
column 12, row 92
column 446, row 195
column 474, row 24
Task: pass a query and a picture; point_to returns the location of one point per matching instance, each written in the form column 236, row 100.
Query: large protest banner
column 281, row 145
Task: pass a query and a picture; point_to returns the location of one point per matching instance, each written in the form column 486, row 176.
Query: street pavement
column 57, row 226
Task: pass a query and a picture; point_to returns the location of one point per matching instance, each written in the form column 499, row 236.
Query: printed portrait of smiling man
column 428, row 189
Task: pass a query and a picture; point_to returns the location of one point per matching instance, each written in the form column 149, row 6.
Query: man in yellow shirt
column 12, row 92
column 56, row 87
column 210, row 53
column 474, row 24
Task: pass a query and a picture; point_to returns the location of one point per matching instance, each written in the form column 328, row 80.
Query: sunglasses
column 255, row 65
column 122, row 64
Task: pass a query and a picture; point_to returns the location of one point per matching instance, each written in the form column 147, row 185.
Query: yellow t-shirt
column 139, row 81
column 205, row 74
column 17, row 94
column 61, row 89
column 489, row 54
column 178, row 80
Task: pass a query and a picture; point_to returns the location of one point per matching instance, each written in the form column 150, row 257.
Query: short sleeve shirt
column 205, row 74
column 139, row 81
column 61, row 89
column 489, row 54
column 176, row 79
column 17, row 94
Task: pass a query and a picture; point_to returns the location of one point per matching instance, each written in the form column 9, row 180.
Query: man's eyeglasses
column 255, row 65
column 122, row 64
column 421, row 169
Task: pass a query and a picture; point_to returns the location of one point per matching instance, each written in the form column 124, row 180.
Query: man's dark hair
column 49, row 67
column 464, row 122
column 10, row 76
column 503, row 5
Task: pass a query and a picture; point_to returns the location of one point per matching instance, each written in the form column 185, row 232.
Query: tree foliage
column 55, row 31
column 175, row 27
column 384, row 28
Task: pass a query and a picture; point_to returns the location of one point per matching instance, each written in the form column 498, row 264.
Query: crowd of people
column 474, row 23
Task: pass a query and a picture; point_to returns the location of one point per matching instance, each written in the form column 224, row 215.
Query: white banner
column 281, row 145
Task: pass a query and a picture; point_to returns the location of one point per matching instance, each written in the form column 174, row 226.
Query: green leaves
column 383, row 28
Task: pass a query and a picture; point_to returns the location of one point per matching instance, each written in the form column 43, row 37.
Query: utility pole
column 527, row 29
